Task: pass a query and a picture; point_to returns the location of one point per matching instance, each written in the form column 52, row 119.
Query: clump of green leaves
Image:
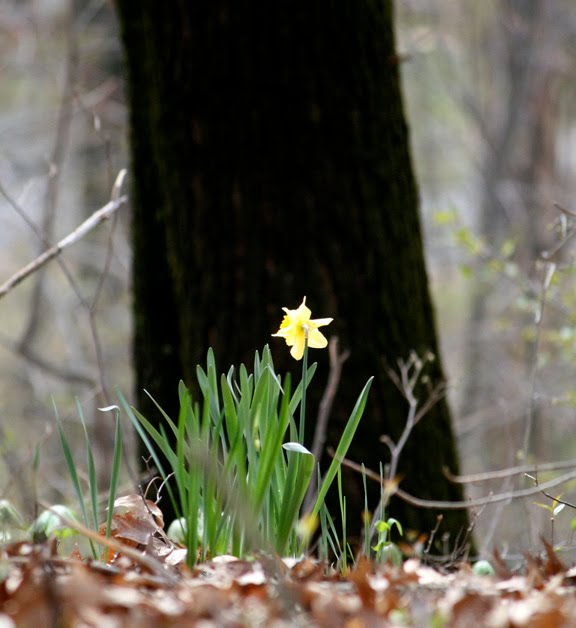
column 90, row 513
column 239, row 463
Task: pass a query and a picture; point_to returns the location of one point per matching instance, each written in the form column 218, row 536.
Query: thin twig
column 406, row 380
column 504, row 473
column 564, row 210
column 116, row 188
column 566, row 236
column 481, row 501
column 554, row 499
column 336, row 362
column 529, row 426
column 433, row 533
column 494, row 522
column 459, row 505
column 87, row 226
column 54, row 252
column 71, row 375
column 434, row 397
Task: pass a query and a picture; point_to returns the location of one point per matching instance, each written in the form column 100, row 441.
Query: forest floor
column 151, row 586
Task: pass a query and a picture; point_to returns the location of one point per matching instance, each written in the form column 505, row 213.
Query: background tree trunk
column 271, row 161
column 518, row 176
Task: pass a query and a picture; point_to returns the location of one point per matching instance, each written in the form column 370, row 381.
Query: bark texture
column 271, row 161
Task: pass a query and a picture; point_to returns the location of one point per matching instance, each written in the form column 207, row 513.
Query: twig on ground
column 433, row 533
column 143, row 559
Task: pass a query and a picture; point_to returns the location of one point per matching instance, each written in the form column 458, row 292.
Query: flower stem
column 304, row 386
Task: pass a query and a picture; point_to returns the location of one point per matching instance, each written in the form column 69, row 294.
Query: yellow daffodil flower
column 297, row 326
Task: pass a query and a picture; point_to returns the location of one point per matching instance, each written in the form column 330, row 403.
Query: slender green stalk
column 115, row 476
column 72, row 471
column 304, row 385
column 343, row 446
column 342, row 500
column 92, row 475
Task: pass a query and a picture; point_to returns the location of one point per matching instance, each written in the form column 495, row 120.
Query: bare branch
column 564, row 210
column 388, row 442
column 546, row 494
column 115, row 195
column 97, row 217
column 435, row 396
column 410, row 372
column 53, row 252
column 531, row 410
column 459, row 505
column 67, row 374
column 504, row 473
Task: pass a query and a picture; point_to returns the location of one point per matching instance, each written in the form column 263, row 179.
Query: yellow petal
column 302, row 314
column 296, row 324
column 316, row 340
column 320, row 322
column 297, row 350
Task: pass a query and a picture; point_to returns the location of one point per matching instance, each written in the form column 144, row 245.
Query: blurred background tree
column 517, row 125
column 497, row 80
column 63, row 142
column 270, row 161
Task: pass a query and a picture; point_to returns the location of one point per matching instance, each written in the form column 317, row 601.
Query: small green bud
column 483, row 568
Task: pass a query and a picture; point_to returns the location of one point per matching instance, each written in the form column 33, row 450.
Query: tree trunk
column 271, row 161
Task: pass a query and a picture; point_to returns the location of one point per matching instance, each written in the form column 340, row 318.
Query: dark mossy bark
column 271, row 161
